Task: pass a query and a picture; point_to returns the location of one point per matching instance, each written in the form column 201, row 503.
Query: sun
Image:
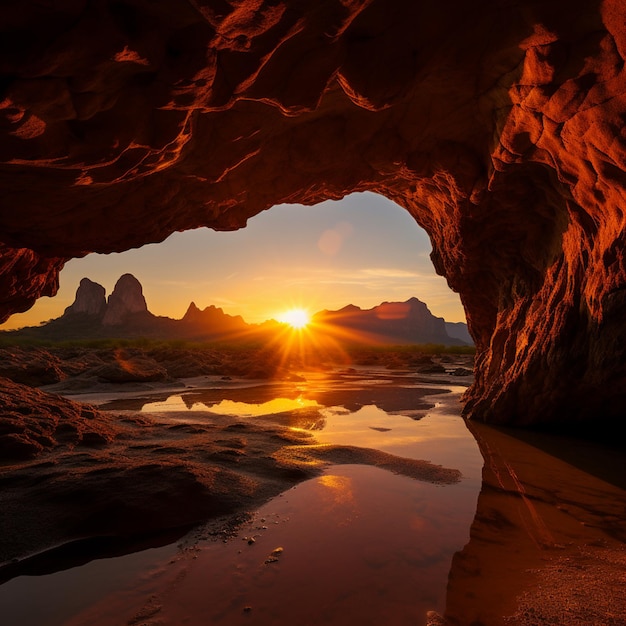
column 296, row 318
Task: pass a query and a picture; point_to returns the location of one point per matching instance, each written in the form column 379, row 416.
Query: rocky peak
column 193, row 313
column 211, row 317
column 127, row 297
column 411, row 309
column 90, row 299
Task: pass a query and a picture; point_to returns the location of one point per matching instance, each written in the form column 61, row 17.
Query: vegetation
column 8, row 340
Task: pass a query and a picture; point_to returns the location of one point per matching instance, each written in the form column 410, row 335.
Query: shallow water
column 357, row 540
column 356, row 545
column 359, row 544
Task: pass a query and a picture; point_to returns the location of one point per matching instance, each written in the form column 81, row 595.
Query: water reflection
column 389, row 393
column 345, row 559
column 528, row 532
column 356, row 545
column 356, row 541
column 228, row 407
column 548, row 542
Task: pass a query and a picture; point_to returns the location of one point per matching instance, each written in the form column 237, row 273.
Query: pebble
column 273, row 557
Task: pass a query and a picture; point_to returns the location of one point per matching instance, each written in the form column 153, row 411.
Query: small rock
column 461, row 371
column 273, row 557
column 434, row 619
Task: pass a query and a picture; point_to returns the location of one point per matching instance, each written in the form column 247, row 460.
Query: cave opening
column 362, row 250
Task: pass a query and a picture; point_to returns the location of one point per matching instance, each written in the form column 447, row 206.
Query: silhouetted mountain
column 126, row 299
column 211, row 322
column 390, row 322
column 459, row 330
column 90, row 299
column 125, row 315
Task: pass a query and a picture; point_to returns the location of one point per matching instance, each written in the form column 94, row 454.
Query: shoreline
column 158, row 472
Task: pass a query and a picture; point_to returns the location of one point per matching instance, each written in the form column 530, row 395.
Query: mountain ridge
column 125, row 314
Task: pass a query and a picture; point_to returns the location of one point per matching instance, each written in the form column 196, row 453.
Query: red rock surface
column 497, row 125
column 32, row 422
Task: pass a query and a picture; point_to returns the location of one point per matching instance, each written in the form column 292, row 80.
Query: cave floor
column 331, row 507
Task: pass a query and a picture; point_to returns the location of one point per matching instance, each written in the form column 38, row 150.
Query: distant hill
column 409, row 322
column 125, row 314
column 459, row 330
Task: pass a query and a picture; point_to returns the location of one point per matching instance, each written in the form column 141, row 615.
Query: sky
column 361, row 250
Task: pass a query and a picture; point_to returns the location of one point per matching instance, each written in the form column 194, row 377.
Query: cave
column 498, row 125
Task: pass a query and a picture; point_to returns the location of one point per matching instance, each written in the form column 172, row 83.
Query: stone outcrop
column 126, row 299
column 33, row 367
column 497, row 125
column 131, row 368
column 33, row 422
column 90, row 299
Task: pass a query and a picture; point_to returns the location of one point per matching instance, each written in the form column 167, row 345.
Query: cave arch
column 498, row 126
column 361, row 250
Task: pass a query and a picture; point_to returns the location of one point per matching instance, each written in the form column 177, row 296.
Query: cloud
column 389, row 272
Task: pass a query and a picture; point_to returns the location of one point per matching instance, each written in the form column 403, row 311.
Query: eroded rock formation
column 125, row 299
column 90, row 299
column 498, row 125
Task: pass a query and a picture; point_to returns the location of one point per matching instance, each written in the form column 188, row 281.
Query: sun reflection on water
column 230, row 407
column 339, row 487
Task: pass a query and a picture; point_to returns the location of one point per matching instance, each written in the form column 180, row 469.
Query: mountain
column 407, row 322
column 90, row 299
column 125, row 314
column 458, row 330
column 126, row 299
column 212, row 320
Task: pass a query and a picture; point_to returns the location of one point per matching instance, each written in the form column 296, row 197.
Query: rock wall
column 497, row 124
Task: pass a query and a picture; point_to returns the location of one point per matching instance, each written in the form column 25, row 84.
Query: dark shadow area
column 601, row 453
column 77, row 553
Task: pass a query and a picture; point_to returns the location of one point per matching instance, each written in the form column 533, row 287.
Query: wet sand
column 158, row 472
column 360, row 507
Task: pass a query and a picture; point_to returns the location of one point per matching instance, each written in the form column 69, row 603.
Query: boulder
column 128, row 367
column 32, row 422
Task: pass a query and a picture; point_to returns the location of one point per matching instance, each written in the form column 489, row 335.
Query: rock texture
column 498, row 125
column 33, row 422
